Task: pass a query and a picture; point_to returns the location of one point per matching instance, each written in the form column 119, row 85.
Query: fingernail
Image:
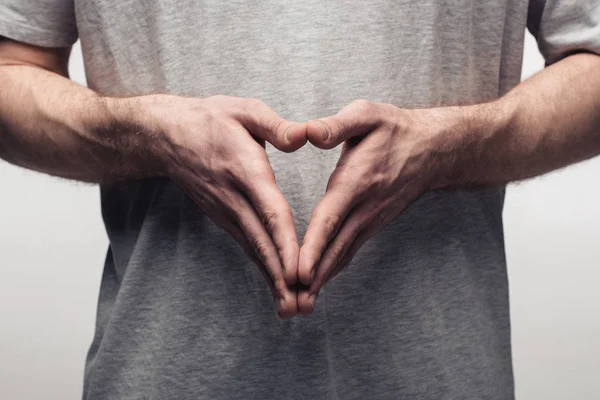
column 322, row 127
column 286, row 134
column 313, row 300
column 325, row 130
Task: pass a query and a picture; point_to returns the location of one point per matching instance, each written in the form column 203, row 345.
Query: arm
column 53, row 125
column 393, row 155
column 547, row 122
column 213, row 148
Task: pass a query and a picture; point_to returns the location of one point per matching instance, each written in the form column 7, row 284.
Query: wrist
column 130, row 127
column 467, row 142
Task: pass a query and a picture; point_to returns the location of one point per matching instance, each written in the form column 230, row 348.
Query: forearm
column 547, row 122
column 53, row 125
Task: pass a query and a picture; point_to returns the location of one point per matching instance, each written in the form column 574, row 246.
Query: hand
column 385, row 165
column 216, row 155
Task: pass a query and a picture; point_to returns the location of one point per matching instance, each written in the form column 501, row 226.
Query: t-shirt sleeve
column 44, row 23
column 564, row 27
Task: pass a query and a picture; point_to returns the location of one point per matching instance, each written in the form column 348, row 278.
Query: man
column 400, row 194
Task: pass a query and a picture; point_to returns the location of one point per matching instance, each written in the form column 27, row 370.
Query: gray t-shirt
column 422, row 311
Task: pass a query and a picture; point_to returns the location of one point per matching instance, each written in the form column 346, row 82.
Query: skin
column 214, row 150
column 391, row 156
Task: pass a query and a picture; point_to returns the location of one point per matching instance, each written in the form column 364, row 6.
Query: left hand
column 385, row 164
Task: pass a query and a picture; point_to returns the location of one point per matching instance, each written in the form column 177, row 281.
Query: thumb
column 356, row 119
column 264, row 123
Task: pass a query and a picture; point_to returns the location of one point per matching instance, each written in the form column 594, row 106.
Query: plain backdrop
column 53, row 244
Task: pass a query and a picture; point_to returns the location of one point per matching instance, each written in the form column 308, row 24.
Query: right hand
column 216, row 154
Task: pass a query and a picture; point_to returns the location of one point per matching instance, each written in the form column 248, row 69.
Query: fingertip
column 305, row 307
column 319, row 134
column 287, row 307
column 293, row 136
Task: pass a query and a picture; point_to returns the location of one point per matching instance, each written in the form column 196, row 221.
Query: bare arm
column 547, row 122
column 53, row 125
column 213, row 148
column 393, row 155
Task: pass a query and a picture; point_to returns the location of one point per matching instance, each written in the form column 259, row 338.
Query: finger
column 306, row 302
column 360, row 240
column 363, row 220
column 226, row 205
column 276, row 216
column 263, row 122
column 326, row 220
column 285, row 309
column 289, row 306
column 356, row 119
column 263, row 248
column 236, row 232
column 223, row 218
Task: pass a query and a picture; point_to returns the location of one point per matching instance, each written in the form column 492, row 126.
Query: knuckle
column 361, row 225
column 256, row 104
column 269, row 219
column 369, row 111
column 274, row 128
column 378, row 183
column 337, row 250
column 259, row 247
column 330, row 224
column 217, row 98
column 362, row 105
column 279, row 284
column 231, row 172
column 340, row 129
column 253, row 171
column 392, row 117
column 262, row 173
column 197, row 110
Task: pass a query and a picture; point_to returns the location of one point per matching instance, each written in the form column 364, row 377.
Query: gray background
column 52, row 247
